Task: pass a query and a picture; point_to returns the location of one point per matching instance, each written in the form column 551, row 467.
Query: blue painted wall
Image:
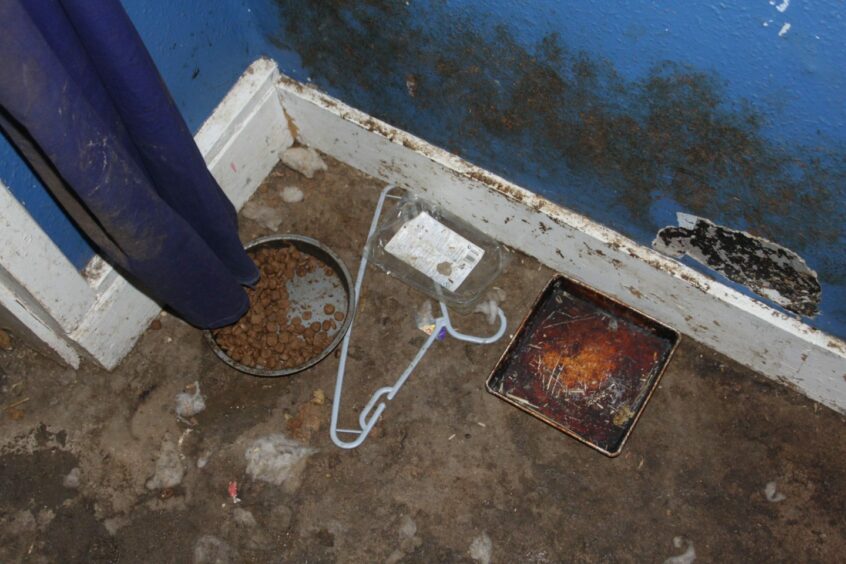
column 627, row 112
column 200, row 48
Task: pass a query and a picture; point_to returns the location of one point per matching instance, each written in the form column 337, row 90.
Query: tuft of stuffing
column 189, row 404
column 687, row 557
column 244, row 517
column 490, row 304
column 408, row 528
column 304, row 160
column 292, row 194
column 203, row 460
column 276, row 459
column 72, row 479
column 169, row 469
column 211, row 550
column 264, row 215
column 772, row 494
column 481, row 549
column 423, row 317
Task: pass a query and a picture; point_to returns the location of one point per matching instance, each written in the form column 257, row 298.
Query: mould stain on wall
column 566, row 119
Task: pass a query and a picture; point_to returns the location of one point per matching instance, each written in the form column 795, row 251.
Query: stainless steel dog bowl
column 308, row 292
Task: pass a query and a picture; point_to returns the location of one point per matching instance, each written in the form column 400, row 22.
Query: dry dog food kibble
column 264, row 337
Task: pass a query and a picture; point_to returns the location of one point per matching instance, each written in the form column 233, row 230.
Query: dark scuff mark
column 766, row 268
column 196, row 73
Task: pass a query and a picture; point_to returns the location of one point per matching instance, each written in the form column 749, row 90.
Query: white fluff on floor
column 190, row 404
column 211, row 550
column 304, row 160
column 276, row 459
column 772, row 493
column 481, row 549
column 262, row 214
column 687, row 557
column 169, row 469
column 292, row 194
column 489, row 306
column 72, row 479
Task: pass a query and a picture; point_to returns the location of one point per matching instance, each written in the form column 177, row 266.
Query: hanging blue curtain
column 84, row 103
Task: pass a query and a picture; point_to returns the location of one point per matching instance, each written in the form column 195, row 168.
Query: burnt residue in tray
column 584, row 363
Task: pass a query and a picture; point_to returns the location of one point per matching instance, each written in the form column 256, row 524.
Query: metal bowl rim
column 338, row 336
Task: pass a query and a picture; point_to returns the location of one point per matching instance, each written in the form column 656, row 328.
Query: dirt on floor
column 724, row 465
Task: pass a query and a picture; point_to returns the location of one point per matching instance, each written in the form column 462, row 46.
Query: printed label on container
column 435, row 250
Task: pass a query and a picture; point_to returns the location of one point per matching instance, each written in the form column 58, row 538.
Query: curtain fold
column 77, row 83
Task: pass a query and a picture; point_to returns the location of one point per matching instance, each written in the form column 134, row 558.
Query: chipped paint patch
column 781, row 7
column 768, row 269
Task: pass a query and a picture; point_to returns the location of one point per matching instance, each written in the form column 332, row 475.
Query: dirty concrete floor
column 449, row 467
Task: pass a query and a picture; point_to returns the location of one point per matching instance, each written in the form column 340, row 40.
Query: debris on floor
column 5, row 340
column 306, row 422
column 244, row 517
column 115, row 524
column 14, row 411
column 409, row 540
column 169, row 469
column 772, row 493
column 481, row 549
column 264, row 215
column 423, row 317
column 490, row 304
column 232, row 491
column 190, row 402
column 71, row 480
column 687, row 557
column 211, row 550
column 292, row 194
column 304, row 160
column 395, row 557
column 276, row 459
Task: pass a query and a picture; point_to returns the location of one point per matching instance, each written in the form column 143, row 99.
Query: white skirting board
column 98, row 313
column 30, row 326
column 736, row 325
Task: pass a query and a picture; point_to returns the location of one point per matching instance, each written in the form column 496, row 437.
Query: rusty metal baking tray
column 584, row 363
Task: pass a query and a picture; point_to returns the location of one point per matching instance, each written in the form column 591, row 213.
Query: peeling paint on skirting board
column 766, row 268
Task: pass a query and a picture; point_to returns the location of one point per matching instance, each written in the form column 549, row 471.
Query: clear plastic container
column 437, row 253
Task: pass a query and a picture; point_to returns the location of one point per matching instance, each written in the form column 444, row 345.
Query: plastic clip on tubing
column 376, row 406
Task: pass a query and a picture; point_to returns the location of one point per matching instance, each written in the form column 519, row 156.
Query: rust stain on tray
column 584, row 363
